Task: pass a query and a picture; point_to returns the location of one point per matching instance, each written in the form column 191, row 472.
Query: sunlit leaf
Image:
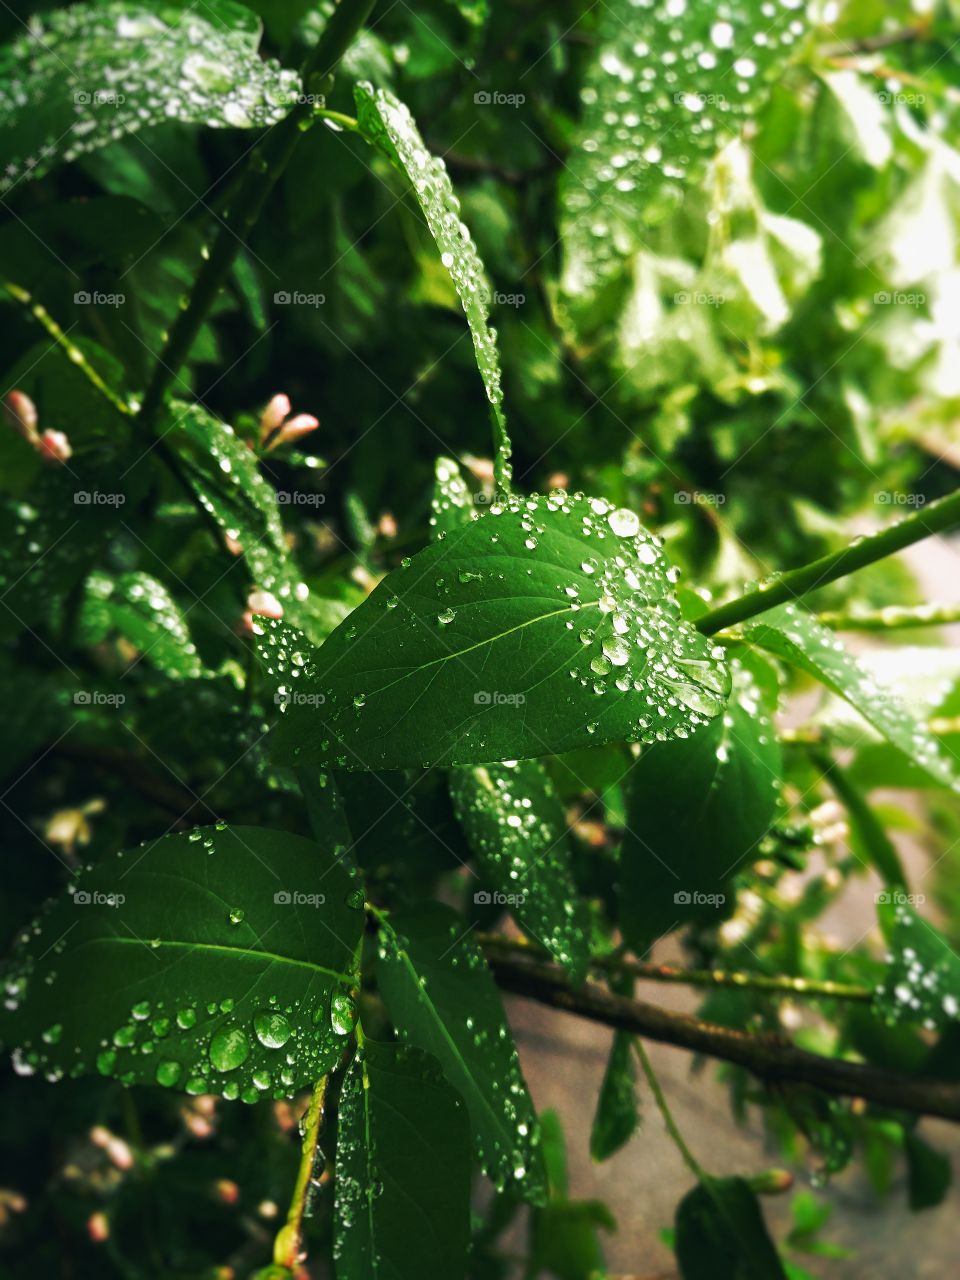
column 922, row 981
column 140, row 608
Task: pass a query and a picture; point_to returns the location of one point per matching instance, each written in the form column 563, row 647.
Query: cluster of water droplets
column 923, row 981
column 475, row 1050
column 241, row 1046
column 81, row 77
column 518, row 836
column 389, row 124
column 671, row 82
column 450, row 504
column 140, row 608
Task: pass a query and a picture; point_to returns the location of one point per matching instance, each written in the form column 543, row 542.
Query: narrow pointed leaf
column 402, row 1189
column 389, row 125
column 798, row 638
column 721, row 1234
column 697, row 808
column 547, row 625
column 442, row 998
column 80, row 77
column 519, row 839
column 217, row 961
column 617, row 1115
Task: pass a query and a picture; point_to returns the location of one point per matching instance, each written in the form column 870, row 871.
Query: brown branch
column 770, row 1059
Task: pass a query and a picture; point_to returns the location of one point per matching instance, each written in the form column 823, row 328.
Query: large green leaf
column 669, row 83
column 389, row 125
column 520, row 843
column 721, row 1235
column 141, row 609
column 218, row 961
column 546, row 625
column 441, row 997
column 617, row 1115
column 922, row 981
column 794, row 635
column 81, row 77
column 403, row 1170
column 697, row 808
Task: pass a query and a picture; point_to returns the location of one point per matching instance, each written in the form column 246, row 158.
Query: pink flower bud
column 54, row 446
column 273, row 415
column 233, row 546
column 98, row 1228
column 21, row 413
column 264, row 604
column 292, row 430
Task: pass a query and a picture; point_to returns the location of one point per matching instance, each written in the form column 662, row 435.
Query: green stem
column 861, row 552
column 70, row 349
column 650, row 972
column 288, row 1245
column 689, row 1158
column 893, row 618
column 350, row 123
column 267, row 163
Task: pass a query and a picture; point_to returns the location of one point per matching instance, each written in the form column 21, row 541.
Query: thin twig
column 288, row 1245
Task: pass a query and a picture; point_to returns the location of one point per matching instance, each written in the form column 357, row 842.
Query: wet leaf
column 81, row 77
column 721, row 1234
column 451, row 505
column 669, row 84
column 922, row 981
column 389, row 125
column 442, row 998
column 519, row 839
column 210, row 962
column 403, row 1170
column 617, row 1116
column 793, row 634
column 696, row 810
column 141, row 609
column 546, row 625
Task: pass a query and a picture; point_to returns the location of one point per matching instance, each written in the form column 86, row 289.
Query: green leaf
column 868, row 835
column 929, row 1172
column 81, row 77
column 797, row 637
column 617, row 1116
column 564, row 1238
column 141, row 609
column 218, row 961
column 922, row 981
column 403, row 1170
column 388, row 124
column 518, row 835
column 546, row 625
column 721, row 1235
column 441, row 997
column 669, row 84
column 451, row 505
column 696, row 811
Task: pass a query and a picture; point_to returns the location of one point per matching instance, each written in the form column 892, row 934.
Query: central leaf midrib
column 220, row 948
